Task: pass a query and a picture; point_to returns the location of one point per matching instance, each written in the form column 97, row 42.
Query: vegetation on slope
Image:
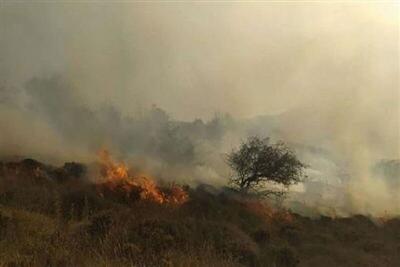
column 54, row 217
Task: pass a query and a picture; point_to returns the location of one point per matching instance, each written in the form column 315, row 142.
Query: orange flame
column 112, row 170
column 117, row 178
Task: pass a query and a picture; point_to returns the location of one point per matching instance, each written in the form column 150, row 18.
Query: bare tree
column 264, row 168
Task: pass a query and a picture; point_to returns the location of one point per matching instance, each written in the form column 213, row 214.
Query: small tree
column 264, row 168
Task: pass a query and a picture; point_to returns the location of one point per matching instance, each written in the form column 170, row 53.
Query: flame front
column 111, row 170
column 118, row 179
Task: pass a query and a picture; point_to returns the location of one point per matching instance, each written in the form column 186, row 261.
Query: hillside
column 55, row 216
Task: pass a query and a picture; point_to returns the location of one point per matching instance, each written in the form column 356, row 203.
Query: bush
column 286, row 257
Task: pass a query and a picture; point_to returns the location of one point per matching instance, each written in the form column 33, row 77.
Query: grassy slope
column 43, row 222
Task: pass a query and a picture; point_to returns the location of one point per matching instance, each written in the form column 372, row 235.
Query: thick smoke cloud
column 324, row 77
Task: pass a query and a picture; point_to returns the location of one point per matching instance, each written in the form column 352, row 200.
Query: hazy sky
column 339, row 61
column 197, row 58
column 332, row 69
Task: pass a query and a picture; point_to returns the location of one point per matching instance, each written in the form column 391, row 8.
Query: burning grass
column 117, row 179
column 53, row 216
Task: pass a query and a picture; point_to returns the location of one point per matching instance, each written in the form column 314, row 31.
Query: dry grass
column 48, row 223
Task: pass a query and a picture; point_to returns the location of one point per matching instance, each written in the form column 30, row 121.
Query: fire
column 268, row 213
column 117, row 178
column 112, row 171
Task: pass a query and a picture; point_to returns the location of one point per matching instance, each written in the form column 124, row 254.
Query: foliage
column 264, row 168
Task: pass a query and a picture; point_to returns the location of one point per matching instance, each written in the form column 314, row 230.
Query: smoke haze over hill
column 133, row 77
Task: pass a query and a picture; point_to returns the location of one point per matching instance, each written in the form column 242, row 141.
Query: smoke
column 324, row 77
